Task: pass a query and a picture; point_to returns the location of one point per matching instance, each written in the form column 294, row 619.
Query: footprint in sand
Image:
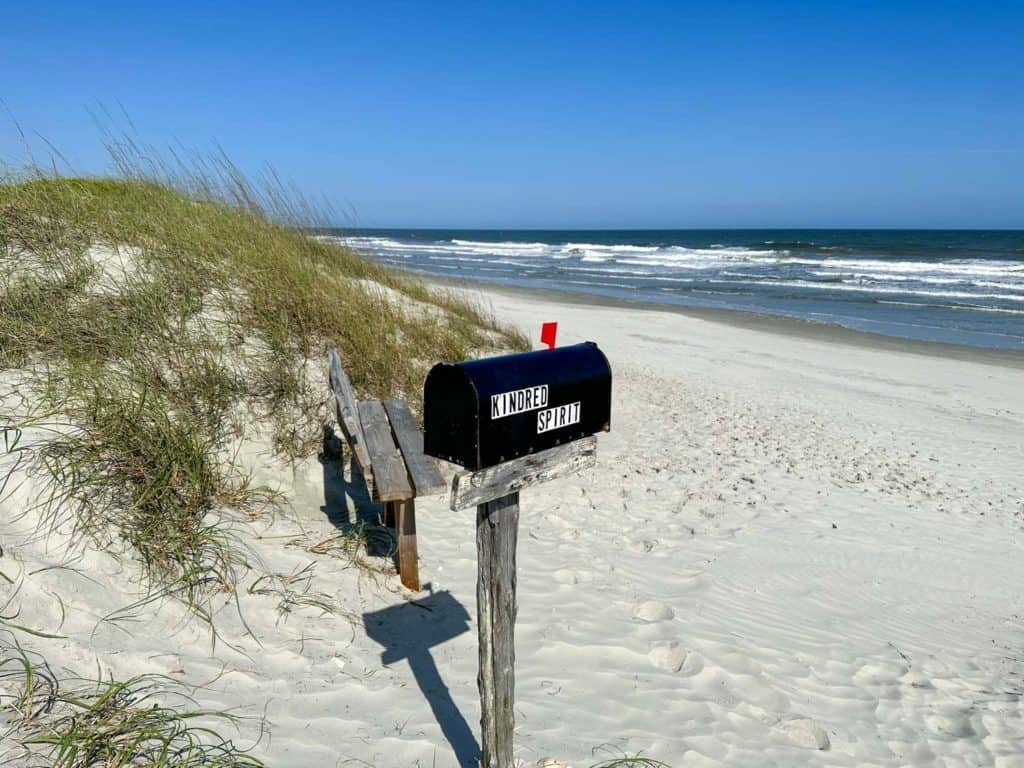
column 652, row 610
column 551, row 762
column 568, row 576
column 804, row 732
column 686, row 579
column 670, row 657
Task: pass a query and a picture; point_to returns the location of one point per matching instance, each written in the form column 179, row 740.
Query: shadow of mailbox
column 409, row 631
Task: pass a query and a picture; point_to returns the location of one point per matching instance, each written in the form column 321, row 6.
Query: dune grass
column 619, row 759
column 79, row 723
column 174, row 311
column 293, row 591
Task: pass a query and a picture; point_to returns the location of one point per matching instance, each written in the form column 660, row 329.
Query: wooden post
column 405, row 532
column 495, row 492
column 497, row 524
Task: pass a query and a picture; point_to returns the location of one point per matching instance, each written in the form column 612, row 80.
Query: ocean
column 962, row 287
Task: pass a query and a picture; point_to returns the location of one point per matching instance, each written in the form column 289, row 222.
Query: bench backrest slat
column 426, row 477
column 348, row 416
column 392, row 481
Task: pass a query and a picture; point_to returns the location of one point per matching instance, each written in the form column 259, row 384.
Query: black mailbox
column 482, row 412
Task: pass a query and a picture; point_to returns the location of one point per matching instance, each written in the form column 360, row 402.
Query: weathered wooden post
column 497, row 526
column 516, row 421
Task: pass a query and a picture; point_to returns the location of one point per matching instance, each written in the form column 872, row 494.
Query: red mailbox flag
column 548, row 331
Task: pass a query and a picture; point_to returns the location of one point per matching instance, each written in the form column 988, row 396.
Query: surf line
column 518, row 401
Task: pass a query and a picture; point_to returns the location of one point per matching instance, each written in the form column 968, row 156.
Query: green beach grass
column 72, row 722
column 149, row 324
column 167, row 313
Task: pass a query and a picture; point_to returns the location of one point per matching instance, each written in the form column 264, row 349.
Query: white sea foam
column 504, row 245
column 777, row 273
column 870, row 289
column 959, row 266
column 971, row 307
column 902, row 278
column 714, row 257
column 671, row 255
column 593, row 252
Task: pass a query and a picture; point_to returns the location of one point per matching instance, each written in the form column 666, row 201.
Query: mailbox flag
column 548, row 331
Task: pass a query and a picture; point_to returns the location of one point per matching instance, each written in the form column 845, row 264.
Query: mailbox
column 482, row 412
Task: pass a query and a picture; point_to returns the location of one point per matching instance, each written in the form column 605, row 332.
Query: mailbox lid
column 521, row 404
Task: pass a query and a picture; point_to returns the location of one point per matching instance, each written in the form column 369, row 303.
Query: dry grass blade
column 620, row 759
column 293, row 590
column 77, row 723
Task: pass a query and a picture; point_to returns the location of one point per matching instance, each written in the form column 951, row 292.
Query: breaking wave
column 863, row 274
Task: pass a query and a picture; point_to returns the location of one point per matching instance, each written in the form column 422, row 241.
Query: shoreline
column 780, row 325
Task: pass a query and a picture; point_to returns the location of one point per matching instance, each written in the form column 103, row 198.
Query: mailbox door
column 451, row 422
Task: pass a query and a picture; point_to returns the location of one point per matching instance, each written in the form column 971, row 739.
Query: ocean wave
column 959, row 266
column 1000, row 274
column 602, row 284
column 478, row 260
column 505, row 245
column 584, row 251
column 903, row 278
column 958, row 307
column 871, row 289
column 580, row 247
column 957, row 287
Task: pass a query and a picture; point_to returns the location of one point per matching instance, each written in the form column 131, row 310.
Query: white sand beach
column 795, row 549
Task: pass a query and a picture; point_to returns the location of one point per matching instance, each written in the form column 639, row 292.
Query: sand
column 795, row 549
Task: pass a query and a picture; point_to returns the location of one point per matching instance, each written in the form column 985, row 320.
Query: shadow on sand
column 362, row 514
column 409, row 631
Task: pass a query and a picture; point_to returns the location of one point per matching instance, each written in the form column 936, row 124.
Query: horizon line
column 868, row 228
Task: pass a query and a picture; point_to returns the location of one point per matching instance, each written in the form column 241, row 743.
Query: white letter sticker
column 558, row 417
column 518, row 401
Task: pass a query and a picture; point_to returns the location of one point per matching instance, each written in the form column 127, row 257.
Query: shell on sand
column 652, row 610
column 804, row 732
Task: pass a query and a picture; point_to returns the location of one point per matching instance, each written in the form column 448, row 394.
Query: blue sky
column 631, row 114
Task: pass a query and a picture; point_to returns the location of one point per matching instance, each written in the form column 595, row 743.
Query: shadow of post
column 409, row 631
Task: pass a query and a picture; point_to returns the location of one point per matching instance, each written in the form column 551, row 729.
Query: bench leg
column 408, row 558
column 389, row 514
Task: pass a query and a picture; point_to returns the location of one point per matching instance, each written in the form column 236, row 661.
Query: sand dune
column 792, row 551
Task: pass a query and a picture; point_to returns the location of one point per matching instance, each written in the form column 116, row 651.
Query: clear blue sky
column 631, row 114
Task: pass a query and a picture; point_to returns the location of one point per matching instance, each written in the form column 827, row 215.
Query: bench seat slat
column 389, row 475
column 426, row 477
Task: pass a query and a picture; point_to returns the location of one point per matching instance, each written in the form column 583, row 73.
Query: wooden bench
column 388, row 447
